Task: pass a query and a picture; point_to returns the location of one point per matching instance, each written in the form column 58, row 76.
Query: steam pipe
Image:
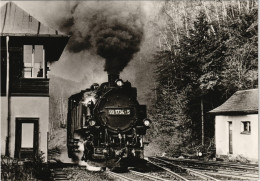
column 112, row 78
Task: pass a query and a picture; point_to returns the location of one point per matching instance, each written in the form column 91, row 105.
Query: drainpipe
column 7, row 151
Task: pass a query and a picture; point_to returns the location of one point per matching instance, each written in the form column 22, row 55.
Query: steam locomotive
column 108, row 122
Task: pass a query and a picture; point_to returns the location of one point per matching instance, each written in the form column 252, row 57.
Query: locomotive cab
column 108, row 121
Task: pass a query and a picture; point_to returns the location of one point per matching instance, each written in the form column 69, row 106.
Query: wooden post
column 7, row 151
column 43, row 62
column 202, row 122
column 33, row 52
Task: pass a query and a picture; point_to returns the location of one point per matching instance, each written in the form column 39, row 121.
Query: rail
column 121, row 177
column 215, row 163
column 190, row 171
column 149, row 176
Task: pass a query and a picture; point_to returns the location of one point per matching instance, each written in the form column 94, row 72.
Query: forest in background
column 207, row 51
column 196, row 54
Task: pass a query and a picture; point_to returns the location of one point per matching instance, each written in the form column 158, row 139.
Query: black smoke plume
column 110, row 31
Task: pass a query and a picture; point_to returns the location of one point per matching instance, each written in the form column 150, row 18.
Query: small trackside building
column 236, row 125
column 27, row 46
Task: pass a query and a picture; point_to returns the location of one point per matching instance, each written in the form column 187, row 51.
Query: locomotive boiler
column 108, row 122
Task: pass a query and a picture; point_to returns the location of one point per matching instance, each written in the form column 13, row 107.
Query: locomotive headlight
column 92, row 122
column 119, row 82
column 147, row 122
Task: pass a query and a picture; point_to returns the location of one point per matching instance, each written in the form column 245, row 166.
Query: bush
column 40, row 168
column 15, row 169
column 233, row 158
column 192, row 150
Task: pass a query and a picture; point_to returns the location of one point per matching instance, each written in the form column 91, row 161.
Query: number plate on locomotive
column 119, row 112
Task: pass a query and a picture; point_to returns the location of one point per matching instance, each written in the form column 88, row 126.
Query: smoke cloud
column 79, row 61
column 113, row 30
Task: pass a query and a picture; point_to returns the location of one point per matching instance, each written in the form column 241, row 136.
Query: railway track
column 119, row 176
column 165, row 169
column 249, row 167
column 219, row 171
column 151, row 172
column 159, row 171
column 58, row 174
column 135, row 175
column 182, row 172
column 160, row 176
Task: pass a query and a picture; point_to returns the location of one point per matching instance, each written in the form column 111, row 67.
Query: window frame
column 32, row 62
column 242, row 126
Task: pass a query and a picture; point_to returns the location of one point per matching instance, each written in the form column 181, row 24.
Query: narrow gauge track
column 151, row 171
column 134, row 175
column 184, row 173
column 220, row 171
column 58, row 170
column 154, row 175
column 58, row 174
column 234, row 166
column 160, row 172
column 119, row 176
column 160, row 176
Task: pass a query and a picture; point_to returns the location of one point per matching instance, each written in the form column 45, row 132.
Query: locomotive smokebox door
column 116, row 110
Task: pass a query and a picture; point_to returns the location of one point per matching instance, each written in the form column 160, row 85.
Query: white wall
column 34, row 107
column 243, row 144
column 3, row 123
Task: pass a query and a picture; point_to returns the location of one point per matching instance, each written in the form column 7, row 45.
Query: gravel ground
column 76, row 174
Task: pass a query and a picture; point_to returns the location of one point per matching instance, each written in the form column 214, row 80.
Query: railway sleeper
column 187, row 170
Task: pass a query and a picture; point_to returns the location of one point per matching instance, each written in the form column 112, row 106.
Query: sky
column 75, row 65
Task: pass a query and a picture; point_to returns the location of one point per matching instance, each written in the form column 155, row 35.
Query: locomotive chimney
column 112, row 78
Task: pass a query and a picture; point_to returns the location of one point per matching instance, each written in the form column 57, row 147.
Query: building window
column 30, row 18
column 245, row 127
column 34, row 61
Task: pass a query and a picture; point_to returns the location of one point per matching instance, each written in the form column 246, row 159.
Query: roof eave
column 234, row 112
column 34, row 35
column 54, row 45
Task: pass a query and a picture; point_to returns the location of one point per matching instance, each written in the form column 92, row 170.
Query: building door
column 27, row 137
column 230, row 138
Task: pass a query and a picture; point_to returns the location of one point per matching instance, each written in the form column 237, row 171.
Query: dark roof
column 22, row 28
column 244, row 101
column 16, row 22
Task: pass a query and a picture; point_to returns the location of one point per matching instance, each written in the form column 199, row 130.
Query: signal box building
column 26, row 48
column 236, row 125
